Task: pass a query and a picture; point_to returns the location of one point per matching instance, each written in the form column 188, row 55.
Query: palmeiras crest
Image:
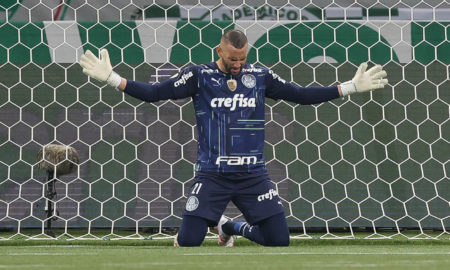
column 248, row 80
column 192, row 203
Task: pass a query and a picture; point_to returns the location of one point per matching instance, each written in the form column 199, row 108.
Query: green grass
column 159, row 254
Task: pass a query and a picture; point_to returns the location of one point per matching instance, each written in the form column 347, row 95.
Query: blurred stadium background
column 377, row 162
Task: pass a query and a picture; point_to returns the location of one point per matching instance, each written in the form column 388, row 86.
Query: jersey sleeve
column 277, row 88
column 181, row 85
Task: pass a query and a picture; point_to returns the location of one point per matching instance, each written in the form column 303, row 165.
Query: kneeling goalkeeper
column 228, row 97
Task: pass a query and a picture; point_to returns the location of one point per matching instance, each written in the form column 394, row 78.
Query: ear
column 219, row 51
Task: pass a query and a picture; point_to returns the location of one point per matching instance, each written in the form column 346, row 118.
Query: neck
column 220, row 65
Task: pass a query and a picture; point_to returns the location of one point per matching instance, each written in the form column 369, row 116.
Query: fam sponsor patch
column 236, row 160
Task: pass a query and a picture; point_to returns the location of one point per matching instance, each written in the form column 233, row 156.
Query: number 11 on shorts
column 196, row 188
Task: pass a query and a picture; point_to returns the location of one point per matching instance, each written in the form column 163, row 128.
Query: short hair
column 236, row 37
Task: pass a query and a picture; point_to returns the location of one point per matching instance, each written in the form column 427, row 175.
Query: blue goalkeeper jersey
column 230, row 110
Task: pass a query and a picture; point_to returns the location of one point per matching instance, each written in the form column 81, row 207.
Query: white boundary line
column 50, row 254
column 315, row 253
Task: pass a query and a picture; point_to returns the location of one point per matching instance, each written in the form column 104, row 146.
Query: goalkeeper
column 228, row 97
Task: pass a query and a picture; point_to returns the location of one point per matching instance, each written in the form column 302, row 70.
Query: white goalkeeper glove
column 100, row 69
column 364, row 81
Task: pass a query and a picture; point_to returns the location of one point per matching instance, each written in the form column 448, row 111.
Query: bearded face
column 231, row 59
column 232, row 67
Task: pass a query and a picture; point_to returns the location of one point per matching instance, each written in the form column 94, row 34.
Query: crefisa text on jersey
column 183, row 79
column 237, row 100
column 268, row 196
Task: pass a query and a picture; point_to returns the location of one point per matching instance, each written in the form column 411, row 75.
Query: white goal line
column 313, row 253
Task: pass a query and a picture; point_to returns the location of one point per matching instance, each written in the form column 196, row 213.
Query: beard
column 229, row 68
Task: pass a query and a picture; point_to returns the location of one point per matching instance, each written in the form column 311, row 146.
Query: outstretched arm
column 181, row 85
column 363, row 81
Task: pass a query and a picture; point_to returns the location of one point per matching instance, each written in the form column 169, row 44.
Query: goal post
column 377, row 162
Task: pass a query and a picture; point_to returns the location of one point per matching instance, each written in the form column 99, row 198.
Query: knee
column 276, row 231
column 192, row 232
column 277, row 241
column 189, row 240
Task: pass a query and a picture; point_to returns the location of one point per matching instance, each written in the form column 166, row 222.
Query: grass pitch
column 302, row 254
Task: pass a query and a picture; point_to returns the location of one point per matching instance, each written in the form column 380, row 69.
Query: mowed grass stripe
column 241, row 242
column 237, row 258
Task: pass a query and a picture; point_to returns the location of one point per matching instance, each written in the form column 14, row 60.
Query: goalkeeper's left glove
column 100, row 69
column 364, row 81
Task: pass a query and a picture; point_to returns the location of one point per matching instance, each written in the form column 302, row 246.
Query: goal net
column 374, row 165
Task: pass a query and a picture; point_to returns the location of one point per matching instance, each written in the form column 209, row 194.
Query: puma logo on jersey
column 237, row 101
column 217, row 81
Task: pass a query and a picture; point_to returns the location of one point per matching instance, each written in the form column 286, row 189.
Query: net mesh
column 377, row 162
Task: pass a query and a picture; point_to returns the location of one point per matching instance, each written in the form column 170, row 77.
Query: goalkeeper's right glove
column 100, row 69
column 364, row 81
